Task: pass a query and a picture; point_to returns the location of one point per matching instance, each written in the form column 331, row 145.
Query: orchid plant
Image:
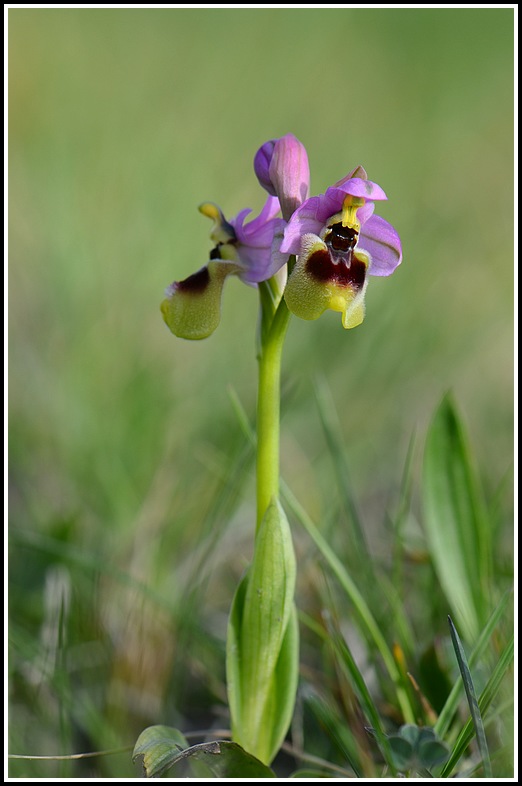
column 317, row 255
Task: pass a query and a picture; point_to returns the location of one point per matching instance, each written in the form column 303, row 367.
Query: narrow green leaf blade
column 472, row 699
column 485, row 699
column 450, row 707
column 456, row 527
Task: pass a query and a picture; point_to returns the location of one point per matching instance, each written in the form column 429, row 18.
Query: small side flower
column 192, row 307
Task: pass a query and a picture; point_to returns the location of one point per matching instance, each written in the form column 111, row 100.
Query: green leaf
column 219, row 759
column 402, row 752
column 472, row 699
column 456, row 526
column 426, row 734
column 157, row 746
column 262, row 642
column 233, row 652
column 432, row 752
column 281, row 697
column 163, row 749
column 411, row 733
column 417, row 747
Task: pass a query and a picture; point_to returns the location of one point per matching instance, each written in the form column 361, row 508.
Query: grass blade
column 485, row 699
column 337, row 731
column 331, row 429
column 472, row 699
column 347, row 660
column 450, row 707
column 364, row 617
column 399, row 521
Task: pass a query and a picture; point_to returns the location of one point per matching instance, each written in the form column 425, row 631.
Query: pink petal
column 383, row 244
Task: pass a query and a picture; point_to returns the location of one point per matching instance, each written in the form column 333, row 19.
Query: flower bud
column 281, row 166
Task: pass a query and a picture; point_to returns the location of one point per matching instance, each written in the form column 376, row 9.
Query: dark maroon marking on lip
column 197, row 282
column 320, row 266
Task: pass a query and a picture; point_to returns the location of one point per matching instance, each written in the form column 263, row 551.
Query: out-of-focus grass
column 131, row 496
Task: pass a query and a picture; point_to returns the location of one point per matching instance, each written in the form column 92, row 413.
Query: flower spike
column 336, row 238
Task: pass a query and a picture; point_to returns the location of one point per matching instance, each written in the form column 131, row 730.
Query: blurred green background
column 131, row 493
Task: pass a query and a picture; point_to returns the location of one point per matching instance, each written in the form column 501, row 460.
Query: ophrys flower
column 339, row 243
column 192, row 307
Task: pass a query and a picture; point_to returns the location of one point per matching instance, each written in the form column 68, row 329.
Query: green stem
column 268, row 405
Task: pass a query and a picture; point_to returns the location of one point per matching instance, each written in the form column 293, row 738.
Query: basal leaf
column 219, row 759
column 234, row 657
column 164, row 750
column 280, row 703
column 262, row 645
column 157, row 747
